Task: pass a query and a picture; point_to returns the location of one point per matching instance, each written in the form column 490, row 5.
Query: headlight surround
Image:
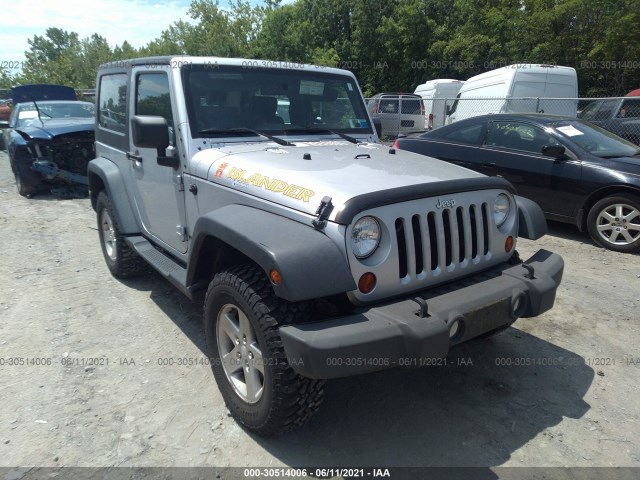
column 501, row 209
column 365, row 237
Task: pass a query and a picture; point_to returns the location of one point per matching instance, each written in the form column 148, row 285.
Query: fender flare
column 111, row 178
column 532, row 223
column 311, row 264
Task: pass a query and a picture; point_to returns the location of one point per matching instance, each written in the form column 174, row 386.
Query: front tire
column 28, row 182
column 123, row 262
column 614, row 223
column 242, row 316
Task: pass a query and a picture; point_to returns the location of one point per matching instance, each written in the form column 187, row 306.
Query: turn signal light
column 367, row 282
column 275, row 277
column 508, row 244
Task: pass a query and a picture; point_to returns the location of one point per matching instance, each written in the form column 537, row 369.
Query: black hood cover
column 39, row 92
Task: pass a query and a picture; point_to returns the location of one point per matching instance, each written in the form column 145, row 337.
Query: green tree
column 176, row 40
column 124, row 52
column 6, row 79
column 389, row 44
column 49, row 58
column 283, row 35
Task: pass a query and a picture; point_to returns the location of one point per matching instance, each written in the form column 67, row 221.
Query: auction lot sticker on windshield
column 570, row 131
column 309, row 87
column 27, row 114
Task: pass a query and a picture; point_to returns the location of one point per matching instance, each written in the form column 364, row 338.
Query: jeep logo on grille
column 445, row 203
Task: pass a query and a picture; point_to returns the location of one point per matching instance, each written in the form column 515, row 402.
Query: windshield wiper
column 348, row 138
column 245, row 131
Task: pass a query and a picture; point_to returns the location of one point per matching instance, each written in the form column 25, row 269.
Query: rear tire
column 614, row 223
column 242, row 317
column 122, row 260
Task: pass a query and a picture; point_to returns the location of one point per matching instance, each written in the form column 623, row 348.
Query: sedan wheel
column 614, row 223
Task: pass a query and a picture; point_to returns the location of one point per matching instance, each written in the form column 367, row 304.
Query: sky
column 137, row 21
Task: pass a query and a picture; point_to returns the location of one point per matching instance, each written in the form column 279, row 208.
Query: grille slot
column 442, row 240
column 433, row 242
column 417, row 242
column 402, row 247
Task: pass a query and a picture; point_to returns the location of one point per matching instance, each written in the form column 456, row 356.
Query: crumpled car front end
column 54, row 155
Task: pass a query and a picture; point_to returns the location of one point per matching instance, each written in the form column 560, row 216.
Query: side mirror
column 448, row 110
column 153, row 132
column 377, row 124
column 150, row 132
column 554, row 151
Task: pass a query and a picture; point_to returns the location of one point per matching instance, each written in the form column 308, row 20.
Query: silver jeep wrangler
column 261, row 188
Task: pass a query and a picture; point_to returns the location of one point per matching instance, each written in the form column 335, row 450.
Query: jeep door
column 158, row 190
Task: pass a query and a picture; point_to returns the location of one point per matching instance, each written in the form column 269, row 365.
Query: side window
column 471, row 135
column 112, row 102
column 518, row 136
column 630, row 109
column 605, row 111
column 153, row 96
column 590, row 110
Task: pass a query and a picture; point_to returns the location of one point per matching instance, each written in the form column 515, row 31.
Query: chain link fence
column 407, row 113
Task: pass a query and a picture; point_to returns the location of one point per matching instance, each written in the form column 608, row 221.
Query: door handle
column 133, row 156
column 489, row 165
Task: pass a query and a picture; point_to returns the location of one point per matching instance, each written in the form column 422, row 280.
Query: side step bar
column 163, row 263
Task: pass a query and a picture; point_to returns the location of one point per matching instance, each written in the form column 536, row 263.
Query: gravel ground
column 557, row 390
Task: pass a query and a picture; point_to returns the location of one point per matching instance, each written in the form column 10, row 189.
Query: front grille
column 442, row 240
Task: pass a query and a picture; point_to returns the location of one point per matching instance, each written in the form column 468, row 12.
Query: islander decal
column 275, row 185
column 220, row 169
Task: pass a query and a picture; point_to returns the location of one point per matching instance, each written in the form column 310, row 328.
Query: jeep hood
column 300, row 176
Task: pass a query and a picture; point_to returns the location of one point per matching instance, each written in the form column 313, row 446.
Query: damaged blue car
column 50, row 139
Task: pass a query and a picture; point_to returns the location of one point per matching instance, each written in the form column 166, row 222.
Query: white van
column 519, row 88
column 433, row 94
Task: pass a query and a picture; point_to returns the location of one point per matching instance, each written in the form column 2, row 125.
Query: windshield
column 27, row 113
column 596, row 140
column 61, row 110
column 227, row 99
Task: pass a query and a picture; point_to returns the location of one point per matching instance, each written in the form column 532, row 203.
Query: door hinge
column 181, row 231
column 177, row 181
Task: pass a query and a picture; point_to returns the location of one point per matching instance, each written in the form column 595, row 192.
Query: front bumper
column 395, row 334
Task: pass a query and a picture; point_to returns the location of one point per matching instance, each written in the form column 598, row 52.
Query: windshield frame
column 354, row 98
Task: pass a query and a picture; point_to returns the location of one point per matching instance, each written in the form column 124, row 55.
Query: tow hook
column 424, row 308
column 530, row 271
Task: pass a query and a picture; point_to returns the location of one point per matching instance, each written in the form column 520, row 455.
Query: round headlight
column 365, row 237
column 501, row 209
